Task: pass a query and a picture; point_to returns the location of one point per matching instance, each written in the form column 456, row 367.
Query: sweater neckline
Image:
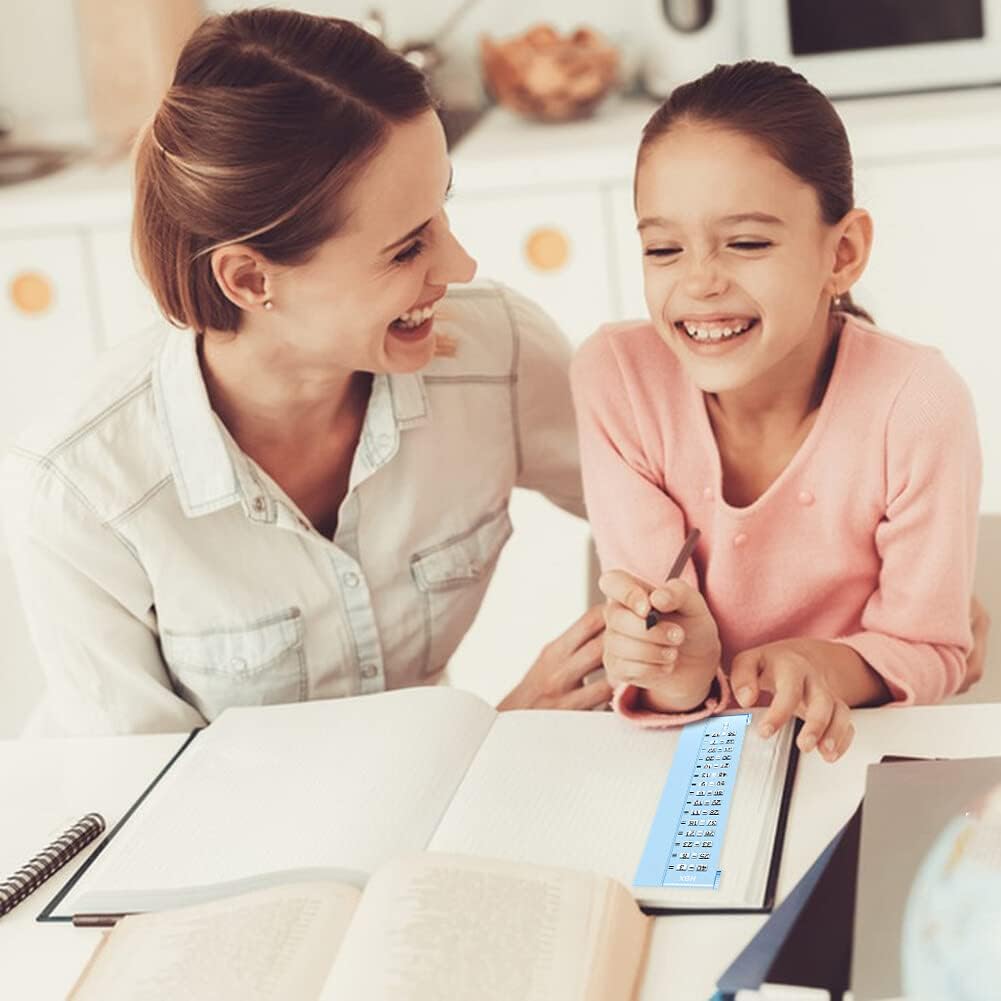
column 806, row 447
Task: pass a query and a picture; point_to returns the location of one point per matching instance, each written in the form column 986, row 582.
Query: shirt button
column 369, row 671
column 351, row 579
column 238, row 664
column 708, row 493
column 739, row 539
column 805, row 498
column 259, row 504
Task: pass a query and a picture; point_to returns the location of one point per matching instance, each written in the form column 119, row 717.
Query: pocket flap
column 462, row 558
column 235, row 651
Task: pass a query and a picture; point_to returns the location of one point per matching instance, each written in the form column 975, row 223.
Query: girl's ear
column 241, row 275
column 851, row 252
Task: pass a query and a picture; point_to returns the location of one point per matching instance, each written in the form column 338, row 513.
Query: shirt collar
column 201, row 458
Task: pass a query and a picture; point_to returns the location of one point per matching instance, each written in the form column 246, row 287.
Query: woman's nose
column 453, row 264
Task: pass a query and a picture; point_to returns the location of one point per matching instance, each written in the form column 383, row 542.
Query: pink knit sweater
column 867, row 537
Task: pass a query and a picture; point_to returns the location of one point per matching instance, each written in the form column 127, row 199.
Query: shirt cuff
column 626, row 702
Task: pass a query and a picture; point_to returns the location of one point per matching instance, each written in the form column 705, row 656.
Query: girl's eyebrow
column 764, row 218
column 417, row 229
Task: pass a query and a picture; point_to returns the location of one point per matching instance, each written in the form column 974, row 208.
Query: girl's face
column 365, row 300
column 737, row 260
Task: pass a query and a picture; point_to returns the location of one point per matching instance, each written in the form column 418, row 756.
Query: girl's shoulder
column 630, row 351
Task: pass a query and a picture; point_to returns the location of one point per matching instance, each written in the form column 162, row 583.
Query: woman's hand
column 557, row 678
column 799, row 673
column 676, row 660
column 980, row 623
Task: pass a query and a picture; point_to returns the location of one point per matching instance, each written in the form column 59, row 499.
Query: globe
column 951, row 936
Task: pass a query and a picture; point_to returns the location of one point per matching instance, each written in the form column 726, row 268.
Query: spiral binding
column 30, row 877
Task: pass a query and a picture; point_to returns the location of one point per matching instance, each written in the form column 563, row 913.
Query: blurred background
column 543, row 103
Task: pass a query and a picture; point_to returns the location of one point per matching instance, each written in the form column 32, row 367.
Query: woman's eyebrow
column 417, row 230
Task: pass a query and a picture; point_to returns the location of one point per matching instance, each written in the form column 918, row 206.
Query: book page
column 343, row 783
column 270, row 945
column 452, row 928
column 582, row 789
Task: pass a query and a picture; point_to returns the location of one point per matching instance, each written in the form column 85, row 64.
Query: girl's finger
column 679, row 597
column 787, row 685
column 626, row 590
column 630, row 648
column 835, row 739
column 744, row 676
column 620, row 619
column 621, row 671
column 817, row 717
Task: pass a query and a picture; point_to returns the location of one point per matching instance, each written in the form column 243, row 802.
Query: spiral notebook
column 269, row 795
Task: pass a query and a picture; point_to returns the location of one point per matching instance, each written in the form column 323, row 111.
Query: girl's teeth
column 714, row 333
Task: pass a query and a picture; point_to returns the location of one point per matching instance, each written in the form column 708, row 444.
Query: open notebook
column 276, row 794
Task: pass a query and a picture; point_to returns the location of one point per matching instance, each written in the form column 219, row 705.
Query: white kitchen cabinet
column 48, row 333
column 123, row 304
column 549, row 244
column 934, row 273
column 628, row 252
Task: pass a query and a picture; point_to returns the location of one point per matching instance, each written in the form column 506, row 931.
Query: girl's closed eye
column 750, row 244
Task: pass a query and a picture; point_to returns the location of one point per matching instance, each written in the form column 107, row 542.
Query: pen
column 653, row 616
column 50, row 860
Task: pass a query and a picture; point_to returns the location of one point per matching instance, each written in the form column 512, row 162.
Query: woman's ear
column 241, row 274
column 851, row 251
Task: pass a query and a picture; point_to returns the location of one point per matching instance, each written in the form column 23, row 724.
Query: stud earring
column 268, row 304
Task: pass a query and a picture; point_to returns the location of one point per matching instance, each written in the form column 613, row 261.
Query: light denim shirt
column 166, row 576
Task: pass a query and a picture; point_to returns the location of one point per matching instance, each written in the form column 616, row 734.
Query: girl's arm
column 89, row 606
column 916, row 626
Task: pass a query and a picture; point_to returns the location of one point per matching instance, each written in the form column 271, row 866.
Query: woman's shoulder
column 488, row 329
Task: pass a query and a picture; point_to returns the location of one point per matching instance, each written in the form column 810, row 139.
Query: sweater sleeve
column 916, row 626
column 637, row 526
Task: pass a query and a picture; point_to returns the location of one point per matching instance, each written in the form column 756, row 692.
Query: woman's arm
column 90, row 610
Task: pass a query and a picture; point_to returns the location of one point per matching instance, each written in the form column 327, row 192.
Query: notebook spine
column 30, row 876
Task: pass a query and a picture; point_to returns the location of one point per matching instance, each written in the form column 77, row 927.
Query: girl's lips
column 718, row 346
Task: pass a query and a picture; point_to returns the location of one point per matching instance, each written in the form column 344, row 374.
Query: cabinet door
column 628, row 253
column 47, row 329
column 550, row 245
column 934, row 271
column 124, row 304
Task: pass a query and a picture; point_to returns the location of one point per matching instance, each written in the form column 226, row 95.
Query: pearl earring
column 268, row 304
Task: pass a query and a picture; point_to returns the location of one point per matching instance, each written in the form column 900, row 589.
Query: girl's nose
column 704, row 279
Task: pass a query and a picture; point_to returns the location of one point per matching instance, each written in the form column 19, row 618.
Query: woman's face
column 365, row 300
column 737, row 258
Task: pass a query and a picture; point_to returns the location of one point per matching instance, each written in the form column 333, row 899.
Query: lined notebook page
column 440, row 928
column 581, row 790
column 345, row 783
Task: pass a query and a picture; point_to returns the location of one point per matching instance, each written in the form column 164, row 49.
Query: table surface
column 46, row 785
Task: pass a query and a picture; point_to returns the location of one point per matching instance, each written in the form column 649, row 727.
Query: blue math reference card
column 686, row 836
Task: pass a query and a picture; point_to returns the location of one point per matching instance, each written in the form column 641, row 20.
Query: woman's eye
column 414, row 250
column 662, row 251
column 750, row 244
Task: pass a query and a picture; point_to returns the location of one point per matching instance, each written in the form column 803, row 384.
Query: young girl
column 832, row 469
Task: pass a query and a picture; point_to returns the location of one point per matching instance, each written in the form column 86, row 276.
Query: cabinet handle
column 547, row 248
column 31, row 292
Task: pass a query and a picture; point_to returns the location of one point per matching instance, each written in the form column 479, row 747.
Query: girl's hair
column 780, row 109
column 270, row 116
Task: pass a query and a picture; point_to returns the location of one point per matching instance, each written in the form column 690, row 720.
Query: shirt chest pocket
column 453, row 577
column 260, row 664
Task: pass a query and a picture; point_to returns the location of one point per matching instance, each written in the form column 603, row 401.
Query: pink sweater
column 867, row 537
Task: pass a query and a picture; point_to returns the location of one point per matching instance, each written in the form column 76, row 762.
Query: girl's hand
column 677, row 659
column 556, row 679
column 796, row 672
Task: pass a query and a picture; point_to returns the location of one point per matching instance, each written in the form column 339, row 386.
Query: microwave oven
column 853, row 47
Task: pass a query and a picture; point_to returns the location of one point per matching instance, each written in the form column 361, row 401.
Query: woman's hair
column 270, row 116
column 780, row 109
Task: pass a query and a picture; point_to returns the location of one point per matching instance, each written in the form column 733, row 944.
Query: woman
column 302, row 494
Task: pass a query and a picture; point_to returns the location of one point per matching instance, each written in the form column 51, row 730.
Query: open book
column 267, row 795
column 427, row 927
